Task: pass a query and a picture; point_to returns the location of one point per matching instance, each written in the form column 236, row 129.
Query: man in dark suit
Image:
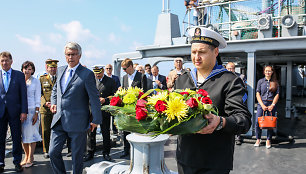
column 157, row 80
column 230, row 66
column 74, row 91
column 106, row 87
column 13, row 108
column 148, row 70
column 109, row 70
column 132, row 78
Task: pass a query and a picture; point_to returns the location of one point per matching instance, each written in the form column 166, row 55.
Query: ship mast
column 167, row 5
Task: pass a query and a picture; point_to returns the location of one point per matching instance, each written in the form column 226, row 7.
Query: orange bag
column 267, row 122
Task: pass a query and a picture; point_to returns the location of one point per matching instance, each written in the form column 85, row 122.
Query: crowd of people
column 68, row 100
column 42, row 109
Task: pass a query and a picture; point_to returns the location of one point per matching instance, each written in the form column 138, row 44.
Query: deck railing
column 229, row 17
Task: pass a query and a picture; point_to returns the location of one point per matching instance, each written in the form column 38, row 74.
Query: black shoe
column 88, row 156
column 68, row 154
column 1, row 168
column 238, row 142
column 46, row 155
column 18, row 168
column 107, row 157
column 124, row 154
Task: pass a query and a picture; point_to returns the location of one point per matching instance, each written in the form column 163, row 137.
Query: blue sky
column 36, row 30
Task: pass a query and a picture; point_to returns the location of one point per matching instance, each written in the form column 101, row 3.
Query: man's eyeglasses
column 108, row 68
column 72, row 55
column 124, row 69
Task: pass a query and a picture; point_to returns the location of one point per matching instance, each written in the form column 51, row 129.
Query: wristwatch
column 220, row 125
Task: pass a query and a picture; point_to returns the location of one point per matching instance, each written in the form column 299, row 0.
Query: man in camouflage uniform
column 47, row 81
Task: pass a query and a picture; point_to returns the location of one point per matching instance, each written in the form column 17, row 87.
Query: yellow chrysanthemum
column 129, row 98
column 134, row 90
column 121, row 92
column 174, row 95
column 160, row 96
column 176, row 108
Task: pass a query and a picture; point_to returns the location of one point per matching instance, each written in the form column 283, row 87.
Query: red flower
column 115, row 101
column 183, row 93
column 160, row 106
column 192, row 102
column 202, row 92
column 141, row 103
column 206, row 100
column 141, row 113
column 140, row 94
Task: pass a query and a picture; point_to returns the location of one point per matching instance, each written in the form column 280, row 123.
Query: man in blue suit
column 13, row 108
column 74, row 91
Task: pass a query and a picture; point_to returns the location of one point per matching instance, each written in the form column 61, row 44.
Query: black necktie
column 53, row 79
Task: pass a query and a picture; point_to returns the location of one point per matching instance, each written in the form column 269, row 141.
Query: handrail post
column 230, row 21
column 163, row 6
column 279, row 19
column 188, row 19
column 168, row 6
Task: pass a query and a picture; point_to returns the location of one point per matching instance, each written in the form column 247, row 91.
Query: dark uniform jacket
column 215, row 151
column 106, row 88
column 46, row 90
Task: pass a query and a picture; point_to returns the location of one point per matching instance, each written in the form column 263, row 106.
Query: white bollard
column 147, row 156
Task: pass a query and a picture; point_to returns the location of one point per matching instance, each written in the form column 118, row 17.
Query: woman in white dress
column 30, row 127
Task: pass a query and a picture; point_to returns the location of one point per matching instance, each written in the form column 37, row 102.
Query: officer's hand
column 213, row 122
column 102, row 100
column 23, row 117
column 93, row 126
column 48, row 104
column 53, row 109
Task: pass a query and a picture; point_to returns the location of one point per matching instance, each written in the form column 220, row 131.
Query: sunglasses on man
column 125, row 68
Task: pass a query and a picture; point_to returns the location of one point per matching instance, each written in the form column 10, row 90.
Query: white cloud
column 135, row 44
column 94, row 53
column 75, row 31
column 113, row 38
column 55, row 37
column 125, row 28
column 36, row 44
